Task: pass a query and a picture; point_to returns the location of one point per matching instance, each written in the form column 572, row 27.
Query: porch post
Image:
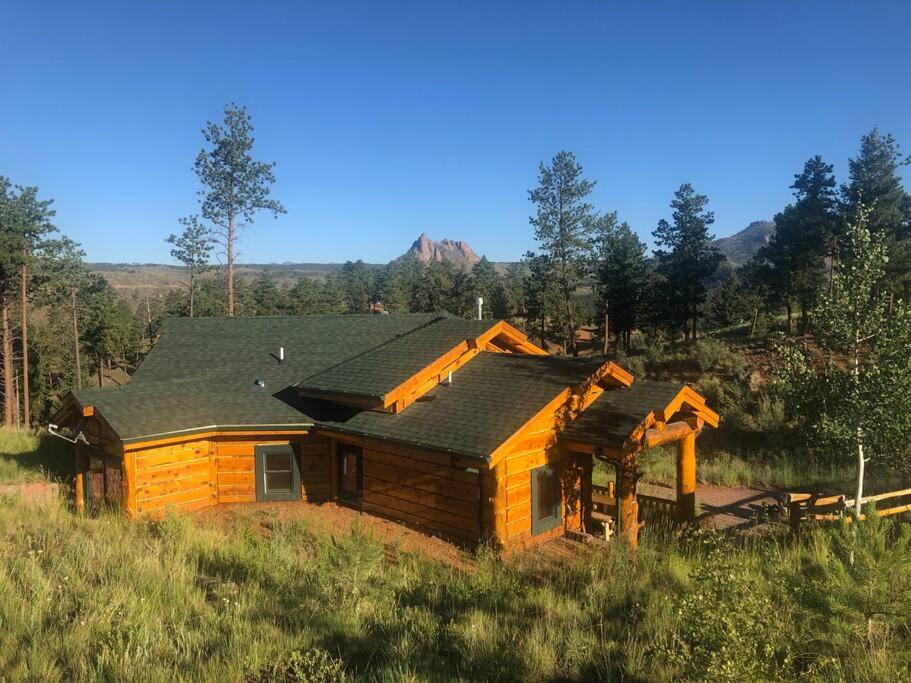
column 627, row 503
column 81, row 466
column 586, row 490
column 686, row 478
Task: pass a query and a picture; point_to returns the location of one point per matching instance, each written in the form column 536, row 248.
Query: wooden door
column 350, row 473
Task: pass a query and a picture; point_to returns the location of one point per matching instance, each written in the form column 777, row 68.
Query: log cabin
column 463, row 429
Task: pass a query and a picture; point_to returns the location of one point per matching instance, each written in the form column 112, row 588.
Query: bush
column 709, row 353
column 306, row 666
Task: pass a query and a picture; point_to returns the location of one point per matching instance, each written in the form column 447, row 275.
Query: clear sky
column 388, row 119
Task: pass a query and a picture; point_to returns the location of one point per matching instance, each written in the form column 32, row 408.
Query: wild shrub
column 305, row 666
column 709, row 353
column 727, row 625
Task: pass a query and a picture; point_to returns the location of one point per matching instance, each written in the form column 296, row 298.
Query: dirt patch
column 37, row 493
column 336, row 521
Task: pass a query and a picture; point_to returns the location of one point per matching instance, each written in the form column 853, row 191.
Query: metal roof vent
column 260, row 384
column 281, row 354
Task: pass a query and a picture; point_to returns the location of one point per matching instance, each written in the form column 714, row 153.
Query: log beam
column 674, row 431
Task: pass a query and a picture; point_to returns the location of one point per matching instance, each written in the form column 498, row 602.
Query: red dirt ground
column 336, row 521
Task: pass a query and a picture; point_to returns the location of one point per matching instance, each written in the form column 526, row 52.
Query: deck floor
column 722, row 507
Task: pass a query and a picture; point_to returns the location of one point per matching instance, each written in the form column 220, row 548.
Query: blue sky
column 389, row 119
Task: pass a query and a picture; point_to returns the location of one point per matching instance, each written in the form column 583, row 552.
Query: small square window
column 277, row 473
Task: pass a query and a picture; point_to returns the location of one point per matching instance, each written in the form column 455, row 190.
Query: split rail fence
column 808, row 507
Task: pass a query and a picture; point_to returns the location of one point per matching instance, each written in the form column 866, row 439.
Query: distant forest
column 64, row 325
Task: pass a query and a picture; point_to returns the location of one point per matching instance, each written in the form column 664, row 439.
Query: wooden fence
column 808, row 507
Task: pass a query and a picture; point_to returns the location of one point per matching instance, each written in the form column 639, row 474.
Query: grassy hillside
column 270, row 597
column 134, row 280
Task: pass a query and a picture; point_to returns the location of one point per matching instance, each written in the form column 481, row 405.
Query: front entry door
column 350, row 473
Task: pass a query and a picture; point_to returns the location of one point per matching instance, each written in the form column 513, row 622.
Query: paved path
column 723, row 507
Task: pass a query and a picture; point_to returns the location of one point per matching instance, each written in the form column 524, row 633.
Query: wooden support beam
column 686, row 478
column 675, row 431
column 627, row 503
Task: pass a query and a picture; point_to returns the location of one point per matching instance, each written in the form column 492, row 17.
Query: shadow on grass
column 25, row 456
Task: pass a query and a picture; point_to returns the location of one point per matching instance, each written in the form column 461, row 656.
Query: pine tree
column 236, row 185
column 484, row 282
column 563, row 225
column 805, row 233
column 542, row 294
column 622, row 273
column 873, row 182
column 268, row 298
column 192, row 248
column 687, row 259
column 358, row 281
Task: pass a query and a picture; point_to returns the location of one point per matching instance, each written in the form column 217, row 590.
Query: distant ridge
column 740, row 247
column 426, row 250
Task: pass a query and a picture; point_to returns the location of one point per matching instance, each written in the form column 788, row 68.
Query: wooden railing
column 810, row 507
column 655, row 509
column 651, row 508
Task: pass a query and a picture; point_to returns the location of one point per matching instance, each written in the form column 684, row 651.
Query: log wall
column 220, row 468
column 424, row 489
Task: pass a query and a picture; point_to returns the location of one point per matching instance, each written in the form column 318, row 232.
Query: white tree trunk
column 859, row 494
column 861, row 462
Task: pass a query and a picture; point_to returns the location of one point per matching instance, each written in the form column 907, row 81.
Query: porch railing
column 651, row 508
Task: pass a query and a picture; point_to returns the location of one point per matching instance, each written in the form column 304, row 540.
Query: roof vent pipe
column 480, row 302
column 281, row 354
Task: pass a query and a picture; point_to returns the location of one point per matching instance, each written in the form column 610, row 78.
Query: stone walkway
column 723, row 507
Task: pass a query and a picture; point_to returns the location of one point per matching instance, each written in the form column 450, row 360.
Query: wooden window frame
column 260, row 453
column 545, row 524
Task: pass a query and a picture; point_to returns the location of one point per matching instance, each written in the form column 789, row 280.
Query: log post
column 586, row 490
column 81, row 467
column 627, row 503
column 499, row 503
column 686, row 478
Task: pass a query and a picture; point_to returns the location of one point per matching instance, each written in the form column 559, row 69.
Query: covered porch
column 618, row 426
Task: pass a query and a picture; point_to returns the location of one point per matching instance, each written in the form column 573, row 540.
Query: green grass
column 104, row 598
column 263, row 597
column 28, row 457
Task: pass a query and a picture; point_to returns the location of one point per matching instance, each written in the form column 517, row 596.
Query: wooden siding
column 174, row 476
column 507, row 511
column 220, row 468
column 425, row 489
column 235, row 467
column 315, row 466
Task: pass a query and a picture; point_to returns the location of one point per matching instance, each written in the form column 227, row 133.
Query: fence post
column 795, row 514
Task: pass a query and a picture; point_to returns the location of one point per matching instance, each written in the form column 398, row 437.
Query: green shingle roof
column 612, row 417
column 490, row 398
column 378, row 371
column 202, row 373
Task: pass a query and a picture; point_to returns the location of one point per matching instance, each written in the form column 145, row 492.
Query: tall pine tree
column 563, row 225
column 236, row 185
column 622, row 273
column 873, row 182
column 687, row 258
